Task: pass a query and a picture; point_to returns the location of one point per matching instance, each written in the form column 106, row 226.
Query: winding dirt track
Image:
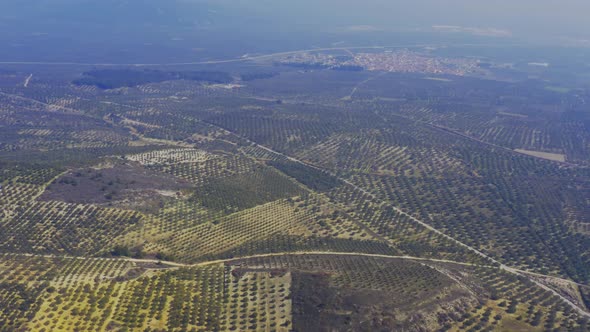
column 516, row 271
column 502, row 266
column 175, row 265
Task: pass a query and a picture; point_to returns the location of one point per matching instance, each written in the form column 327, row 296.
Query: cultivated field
column 167, row 203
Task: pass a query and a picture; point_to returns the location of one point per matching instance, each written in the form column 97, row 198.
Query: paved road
column 34, row 101
column 249, row 58
column 27, row 81
column 208, row 62
column 400, row 211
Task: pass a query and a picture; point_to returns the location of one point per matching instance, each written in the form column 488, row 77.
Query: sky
column 180, row 30
column 538, row 19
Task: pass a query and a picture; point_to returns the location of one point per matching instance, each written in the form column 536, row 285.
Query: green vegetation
column 309, row 176
column 169, row 204
column 257, row 76
column 117, row 78
column 242, row 191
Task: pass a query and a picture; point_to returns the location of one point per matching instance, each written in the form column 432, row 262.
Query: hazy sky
column 530, row 18
column 537, row 18
column 179, row 29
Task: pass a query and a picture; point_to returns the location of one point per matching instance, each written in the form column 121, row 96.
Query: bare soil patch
column 544, row 155
column 122, row 184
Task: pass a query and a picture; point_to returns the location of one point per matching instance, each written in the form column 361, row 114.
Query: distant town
column 404, row 61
